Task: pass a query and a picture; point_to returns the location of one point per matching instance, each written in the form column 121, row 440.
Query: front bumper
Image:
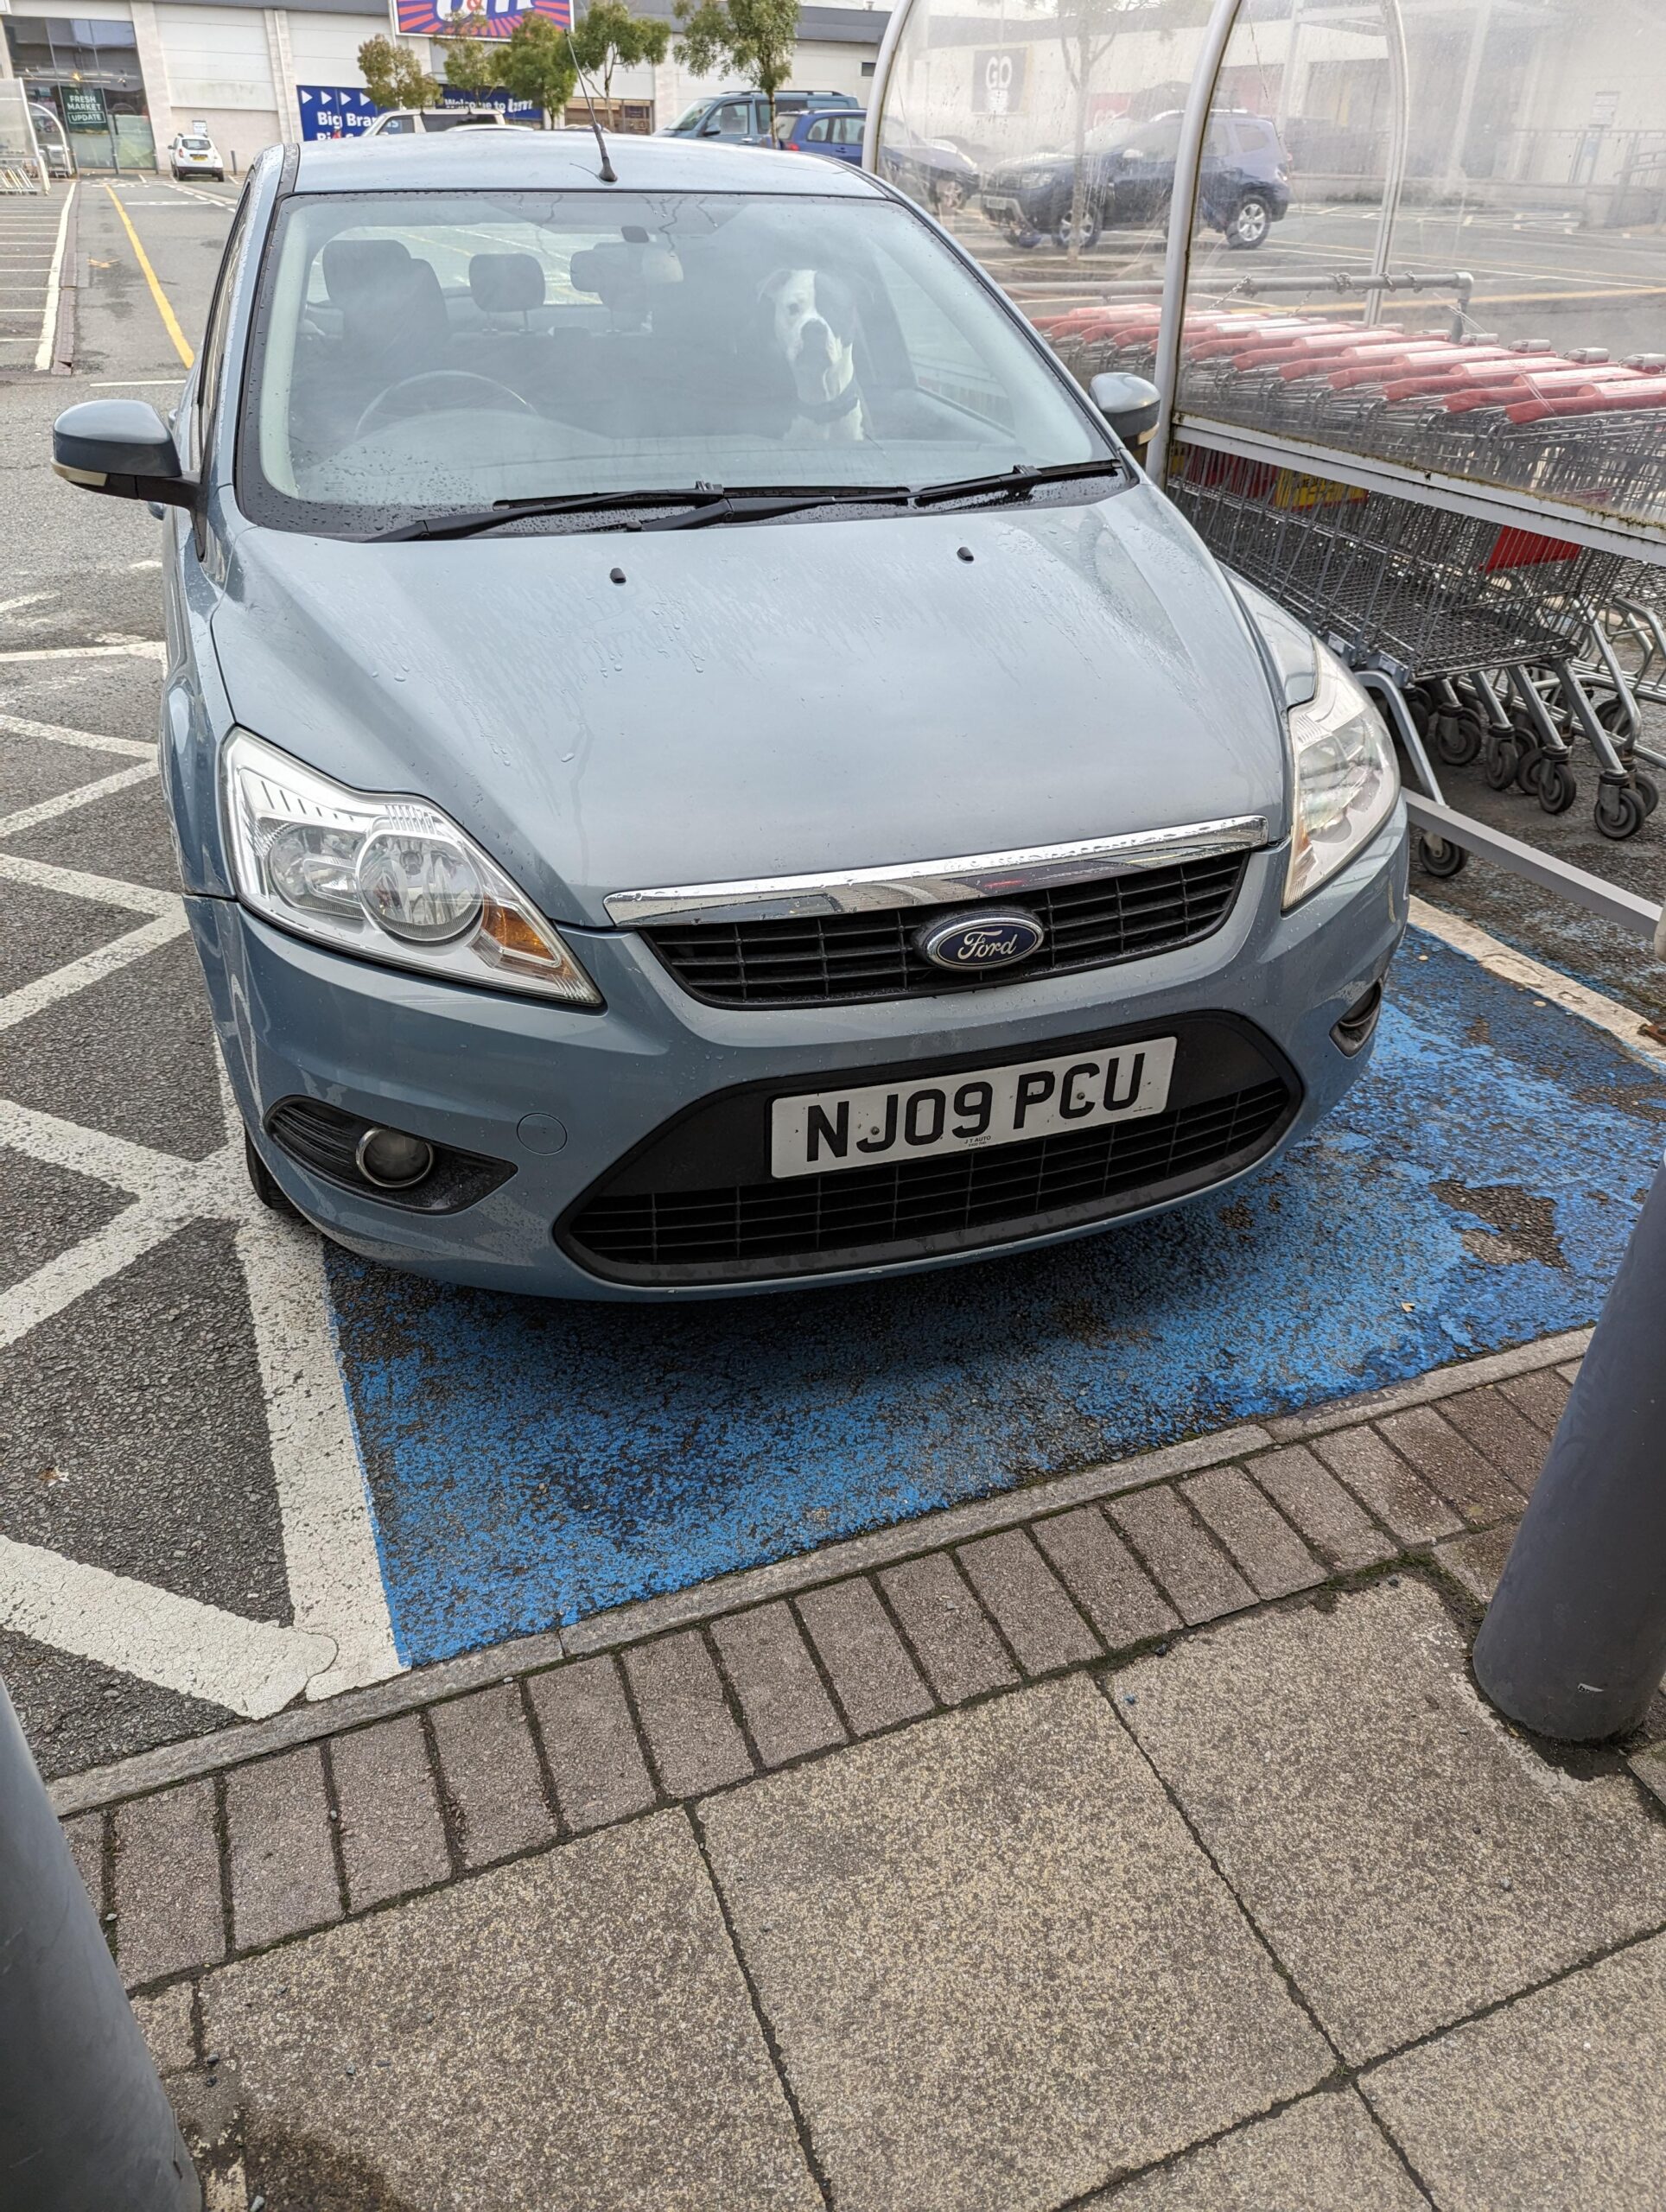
column 565, row 1098
column 1037, row 207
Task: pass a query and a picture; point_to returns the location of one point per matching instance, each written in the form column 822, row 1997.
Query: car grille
column 918, row 1207
column 823, row 959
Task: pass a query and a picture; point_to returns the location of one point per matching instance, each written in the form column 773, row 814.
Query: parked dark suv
column 1243, row 188
column 742, row 118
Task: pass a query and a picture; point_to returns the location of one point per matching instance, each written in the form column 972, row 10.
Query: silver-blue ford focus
column 699, row 762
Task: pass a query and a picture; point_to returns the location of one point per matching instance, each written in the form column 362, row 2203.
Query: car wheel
column 1086, row 235
column 949, row 198
column 1251, row 220
column 265, row 1185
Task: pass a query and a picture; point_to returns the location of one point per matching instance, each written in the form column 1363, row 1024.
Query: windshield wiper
column 703, row 505
column 468, row 522
column 764, row 507
column 707, row 504
column 1015, row 481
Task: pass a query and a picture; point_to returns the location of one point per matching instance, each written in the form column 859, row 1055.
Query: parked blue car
column 835, row 132
column 699, row 763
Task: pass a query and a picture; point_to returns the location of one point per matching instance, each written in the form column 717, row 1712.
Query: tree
column 610, row 34
column 535, row 63
column 393, row 76
column 755, row 38
column 472, row 63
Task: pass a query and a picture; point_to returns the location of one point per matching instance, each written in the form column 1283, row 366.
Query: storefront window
column 86, row 71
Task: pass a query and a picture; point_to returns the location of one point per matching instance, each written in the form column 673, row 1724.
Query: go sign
column 998, row 79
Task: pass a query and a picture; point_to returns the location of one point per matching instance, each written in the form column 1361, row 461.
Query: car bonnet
column 766, row 699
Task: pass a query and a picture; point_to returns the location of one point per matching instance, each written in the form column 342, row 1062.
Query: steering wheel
column 436, row 391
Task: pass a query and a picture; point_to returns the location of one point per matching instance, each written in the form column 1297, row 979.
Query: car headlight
column 390, row 879
column 1347, row 779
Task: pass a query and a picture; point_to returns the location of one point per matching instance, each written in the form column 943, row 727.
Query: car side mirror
column 1129, row 404
column 122, row 449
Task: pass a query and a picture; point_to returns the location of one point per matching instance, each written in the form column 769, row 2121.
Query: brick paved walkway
column 688, row 1702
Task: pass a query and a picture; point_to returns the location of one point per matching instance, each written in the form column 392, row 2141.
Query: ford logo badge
column 966, row 943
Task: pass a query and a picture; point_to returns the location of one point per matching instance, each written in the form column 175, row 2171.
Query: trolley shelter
column 1398, row 270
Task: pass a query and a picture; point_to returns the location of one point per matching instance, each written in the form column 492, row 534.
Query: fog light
column 1355, row 1030
column 392, row 1160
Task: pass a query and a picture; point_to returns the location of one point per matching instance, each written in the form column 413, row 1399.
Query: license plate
column 825, row 1131
column 993, row 204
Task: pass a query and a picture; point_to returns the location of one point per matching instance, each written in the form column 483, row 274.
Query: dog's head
column 811, row 317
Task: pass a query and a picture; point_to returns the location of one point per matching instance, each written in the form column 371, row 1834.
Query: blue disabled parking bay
column 532, row 1463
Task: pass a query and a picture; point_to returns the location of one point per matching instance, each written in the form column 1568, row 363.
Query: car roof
column 562, row 161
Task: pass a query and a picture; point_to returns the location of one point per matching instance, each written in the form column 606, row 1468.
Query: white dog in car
column 812, row 320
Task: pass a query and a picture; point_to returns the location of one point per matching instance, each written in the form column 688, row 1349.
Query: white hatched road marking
column 343, row 1636
column 54, row 1287
column 106, row 890
column 135, row 648
column 19, row 725
column 48, row 809
column 253, row 1666
column 29, row 999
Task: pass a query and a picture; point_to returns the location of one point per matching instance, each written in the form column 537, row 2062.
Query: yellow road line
column 170, row 320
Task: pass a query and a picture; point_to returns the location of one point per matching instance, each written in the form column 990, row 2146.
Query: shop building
column 125, row 76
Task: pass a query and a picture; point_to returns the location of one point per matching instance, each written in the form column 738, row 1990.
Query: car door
column 732, row 120
column 846, row 136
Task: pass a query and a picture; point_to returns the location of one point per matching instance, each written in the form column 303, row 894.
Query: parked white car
column 406, row 122
column 194, row 154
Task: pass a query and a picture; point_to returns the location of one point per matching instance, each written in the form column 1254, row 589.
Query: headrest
column 503, row 282
column 624, row 271
column 352, row 266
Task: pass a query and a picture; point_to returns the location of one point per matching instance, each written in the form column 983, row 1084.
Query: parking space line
column 330, row 1554
column 19, row 725
column 28, row 1000
column 331, row 1558
column 54, row 278
column 254, row 1667
column 48, row 809
column 1529, row 974
column 164, row 307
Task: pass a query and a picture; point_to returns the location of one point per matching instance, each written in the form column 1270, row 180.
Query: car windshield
column 194, row 145
column 415, row 354
column 689, row 117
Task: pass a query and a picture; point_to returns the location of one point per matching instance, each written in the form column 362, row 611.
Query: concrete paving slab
column 1476, row 1560
column 997, row 1969
column 1322, row 2155
column 566, row 2033
column 1649, row 1768
column 1407, row 1859
column 1552, row 2103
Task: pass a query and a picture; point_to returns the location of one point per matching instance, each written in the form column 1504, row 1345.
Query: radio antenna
column 607, row 172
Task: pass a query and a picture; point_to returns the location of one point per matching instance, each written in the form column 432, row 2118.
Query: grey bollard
column 1573, row 1645
column 83, row 2124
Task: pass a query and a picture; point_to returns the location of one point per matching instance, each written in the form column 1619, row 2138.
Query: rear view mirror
column 1128, row 403
column 122, row 449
